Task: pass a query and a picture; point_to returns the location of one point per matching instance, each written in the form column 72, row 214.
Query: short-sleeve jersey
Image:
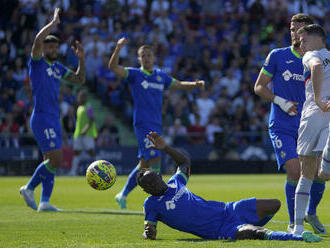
column 324, row 56
column 45, row 80
column 84, row 114
column 184, row 211
column 284, row 66
column 147, row 92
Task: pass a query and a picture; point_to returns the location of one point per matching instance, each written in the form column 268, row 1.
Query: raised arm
column 114, row 60
column 261, row 89
column 187, row 85
column 317, row 77
column 38, row 41
column 160, row 144
column 79, row 76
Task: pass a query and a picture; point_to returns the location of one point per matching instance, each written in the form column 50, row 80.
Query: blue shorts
column 240, row 213
column 47, row 131
column 285, row 147
column 145, row 150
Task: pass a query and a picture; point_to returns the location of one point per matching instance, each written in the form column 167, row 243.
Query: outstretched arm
column 186, row 85
column 37, row 43
column 114, row 60
column 80, row 75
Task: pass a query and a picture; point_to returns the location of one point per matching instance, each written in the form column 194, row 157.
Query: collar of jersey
column 295, row 53
column 146, row 72
column 48, row 62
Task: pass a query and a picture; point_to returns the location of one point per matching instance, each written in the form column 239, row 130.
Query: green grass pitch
column 88, row 221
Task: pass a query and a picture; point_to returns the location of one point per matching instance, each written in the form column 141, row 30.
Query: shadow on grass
column 203, row 240
column 102, row 211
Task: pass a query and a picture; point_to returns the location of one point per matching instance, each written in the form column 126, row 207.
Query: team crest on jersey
column 283, row 154
column 51, row 144
column 159, row 78
column 152, row 153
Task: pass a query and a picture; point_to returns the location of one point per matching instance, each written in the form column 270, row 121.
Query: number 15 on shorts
column 50, row 133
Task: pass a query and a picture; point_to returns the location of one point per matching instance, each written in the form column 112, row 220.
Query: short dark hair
column 51, row 38
column 145, row 47
column 302, row 18
column 140, row 174
column 313, row 29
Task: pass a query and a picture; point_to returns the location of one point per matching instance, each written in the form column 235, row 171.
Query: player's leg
column 266, row 209
column 255, row 232
column 308, row 170
column 324, row 172
column 285, row 147
column 77, row 147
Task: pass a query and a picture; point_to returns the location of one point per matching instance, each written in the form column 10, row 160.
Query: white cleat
column 314, row 221
column 28, row 196
column 290, row 228
column 46, row 207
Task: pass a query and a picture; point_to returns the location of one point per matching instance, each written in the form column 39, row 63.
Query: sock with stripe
column 302, row 197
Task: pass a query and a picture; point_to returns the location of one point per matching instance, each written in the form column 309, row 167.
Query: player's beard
column 51, row 57
column 295, row 43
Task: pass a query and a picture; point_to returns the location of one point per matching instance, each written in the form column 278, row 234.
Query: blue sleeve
column 130, row 75
column 64, row 72
column 269, row 67
column 150, row 215
column 178, row 178
column 168, row 80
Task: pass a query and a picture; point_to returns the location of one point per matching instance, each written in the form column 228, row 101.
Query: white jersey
column 324, row 56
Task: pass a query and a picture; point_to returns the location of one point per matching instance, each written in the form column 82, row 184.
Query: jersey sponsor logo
column 287, row 75
column 289, row 61
column 53, row 72
column 146, row 85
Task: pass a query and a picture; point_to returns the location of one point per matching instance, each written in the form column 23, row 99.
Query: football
column 101, row 175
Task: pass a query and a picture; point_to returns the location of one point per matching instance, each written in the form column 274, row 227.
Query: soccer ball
column 101, row 175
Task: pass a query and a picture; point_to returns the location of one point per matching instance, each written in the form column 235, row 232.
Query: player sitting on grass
column 177, row 207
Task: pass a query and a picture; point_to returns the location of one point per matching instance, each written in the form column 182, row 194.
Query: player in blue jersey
column 147, row 87
column 177, row 207
column 283, row 67
column 45, row 75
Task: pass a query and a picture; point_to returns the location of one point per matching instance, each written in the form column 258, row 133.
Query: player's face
column 146, row 59
column 294, row 27
column 307, row 42
column 50, row 50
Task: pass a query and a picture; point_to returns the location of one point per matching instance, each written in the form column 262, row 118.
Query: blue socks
column 316, row 194
column 290, row 189
column 277, row 235
column 131, row 182
column 43, row 174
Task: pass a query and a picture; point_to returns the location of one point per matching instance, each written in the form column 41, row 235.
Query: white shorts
column 83, row 143
column 313, row 133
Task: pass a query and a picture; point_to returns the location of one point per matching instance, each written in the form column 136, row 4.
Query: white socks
column 301, row 201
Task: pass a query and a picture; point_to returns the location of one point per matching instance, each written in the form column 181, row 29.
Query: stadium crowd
column 220, row 41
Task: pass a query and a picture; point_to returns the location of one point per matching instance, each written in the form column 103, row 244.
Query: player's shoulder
column 280, row 50
column 309, row 55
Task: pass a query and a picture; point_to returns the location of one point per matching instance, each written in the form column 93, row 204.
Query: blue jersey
column 147, row 92
column 45, row 80
column 285, row 68
column 184, row 211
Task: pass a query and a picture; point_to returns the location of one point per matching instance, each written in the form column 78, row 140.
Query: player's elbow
column 257, row 89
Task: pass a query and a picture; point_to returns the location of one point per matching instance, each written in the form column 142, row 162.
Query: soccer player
column 85, row 132
column 45, row 75
column 147, row 86
column 177, row 207
column 315, row 115
column 283, row 67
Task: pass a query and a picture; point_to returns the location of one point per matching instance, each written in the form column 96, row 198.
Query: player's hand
column 56, row 18
column 78, row 50
column 157, row 141
column 200, row 84
column 121, row 42
column 287, row 106
column 324, row 106
column 150, row 231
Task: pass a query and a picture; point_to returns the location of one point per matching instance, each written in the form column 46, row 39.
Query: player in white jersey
column 315, row 116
